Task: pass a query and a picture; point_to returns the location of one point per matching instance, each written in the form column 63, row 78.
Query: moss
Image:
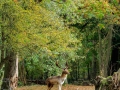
column 104, row 81
column 109, row 77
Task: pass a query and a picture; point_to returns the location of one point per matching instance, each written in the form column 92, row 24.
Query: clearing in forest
column 65, row 87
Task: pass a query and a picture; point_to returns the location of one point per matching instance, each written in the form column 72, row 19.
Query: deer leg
column 59, row 87
column 50, row 86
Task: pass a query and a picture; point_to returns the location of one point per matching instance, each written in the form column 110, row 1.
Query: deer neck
column 63, row 78
column 64, row 75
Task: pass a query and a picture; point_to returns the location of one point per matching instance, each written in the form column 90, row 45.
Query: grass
column 65, row 87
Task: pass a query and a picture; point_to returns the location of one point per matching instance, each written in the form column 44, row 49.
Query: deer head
column 65, row 69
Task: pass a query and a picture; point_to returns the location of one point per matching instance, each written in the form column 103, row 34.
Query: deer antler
column 57, row 64
column 66, row 64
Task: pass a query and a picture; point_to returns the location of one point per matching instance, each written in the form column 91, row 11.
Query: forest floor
column 65, row 87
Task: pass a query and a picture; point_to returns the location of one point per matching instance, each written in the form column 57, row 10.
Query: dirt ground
column 65, row 87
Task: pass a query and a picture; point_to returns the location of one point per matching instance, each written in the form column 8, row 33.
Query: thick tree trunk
column 108, row 49
column 100, row 53
column 11, row 73
column 105, row 51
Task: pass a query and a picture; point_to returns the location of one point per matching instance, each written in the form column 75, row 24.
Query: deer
column 58, row 80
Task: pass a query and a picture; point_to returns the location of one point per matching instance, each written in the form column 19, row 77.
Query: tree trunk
column 100, row 53
column 88, row 71
column 22, row 73
column 108, row 49
column 11, row 73
column 95, row 67
column 105, row 51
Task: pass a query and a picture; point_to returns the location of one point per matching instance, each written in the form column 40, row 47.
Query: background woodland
column 34, row 34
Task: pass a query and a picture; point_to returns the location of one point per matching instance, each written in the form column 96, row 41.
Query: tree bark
column 11, row 73
column 105, row 51
column 108, row 50
column 22, row 73
column 100, row 53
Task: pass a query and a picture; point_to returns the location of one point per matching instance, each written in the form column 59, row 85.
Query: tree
column 91, row 22
column 26, row 28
